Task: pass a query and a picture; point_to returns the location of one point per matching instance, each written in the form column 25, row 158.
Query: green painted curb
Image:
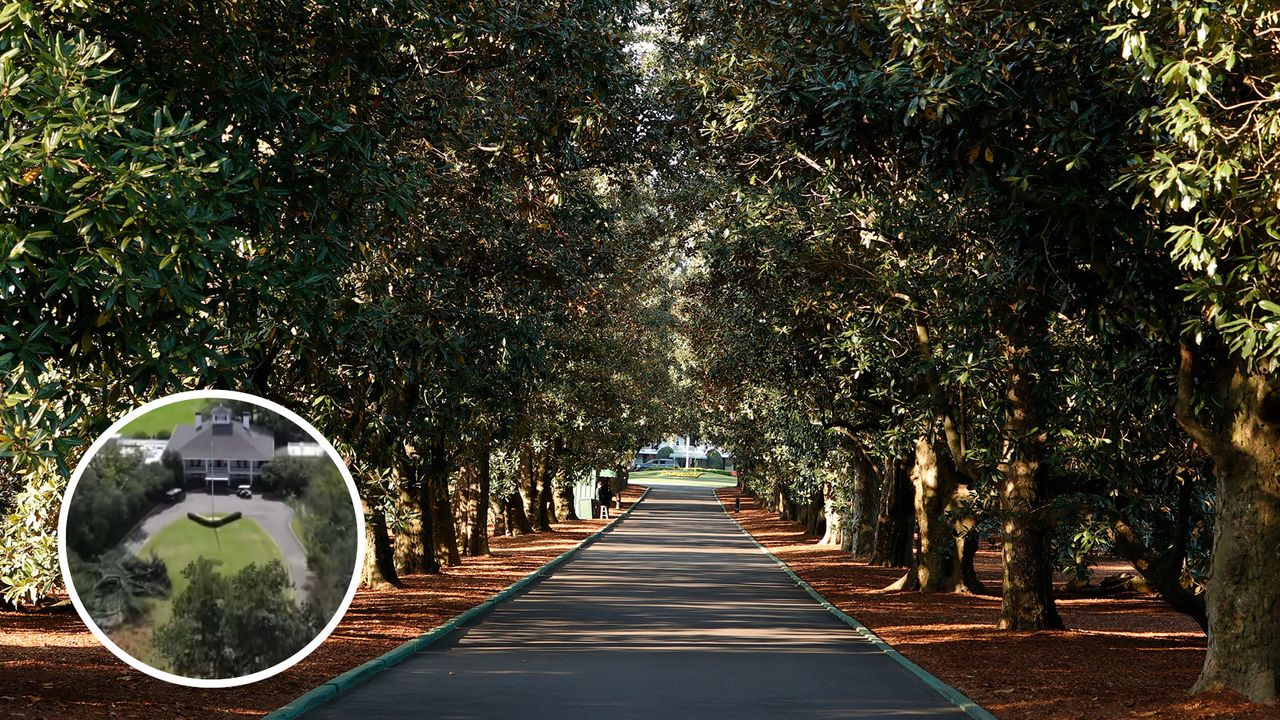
column 957, row 698
column 361, row 673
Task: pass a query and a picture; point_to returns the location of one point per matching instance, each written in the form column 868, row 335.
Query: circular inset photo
column 211, row 538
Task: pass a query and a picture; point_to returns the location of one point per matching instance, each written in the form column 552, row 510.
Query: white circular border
column 211, row 682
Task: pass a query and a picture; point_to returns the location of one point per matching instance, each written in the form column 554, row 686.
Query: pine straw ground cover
column 51, row 667
column 1123, row 657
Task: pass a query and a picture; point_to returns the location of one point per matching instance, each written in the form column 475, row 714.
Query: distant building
column 151, row 451
column 221, row 451
column 685, row 450
column 301, row 449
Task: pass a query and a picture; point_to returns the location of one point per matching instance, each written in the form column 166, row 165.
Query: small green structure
column 584, row 491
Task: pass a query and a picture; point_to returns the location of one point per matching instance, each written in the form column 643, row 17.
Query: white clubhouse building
column 221, row 451
column 687, row 451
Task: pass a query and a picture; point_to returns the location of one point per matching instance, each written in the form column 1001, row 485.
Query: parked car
column 659, row 464
column 176, row 495
column 244, row 491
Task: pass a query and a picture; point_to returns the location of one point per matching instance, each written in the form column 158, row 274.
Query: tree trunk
column 834, row 517
column 968, row 552
column 425, row 486
column 786, row 507
column 943, row 488
column 937, row 566
column 1027, row 560
column 409, row 555
column 463, row 497
column 379, row 569
column 566, row 502
column 1242, row 596
column 895, row 525
column 517, row 520
column 547, row 509
column 866, row 493
column 445, row 531
column 1161, row 570
column 529, row 482
column 478, row 543
column 814, row 515
column 546, row 494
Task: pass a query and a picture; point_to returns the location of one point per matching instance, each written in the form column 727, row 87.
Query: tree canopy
column 956, row 269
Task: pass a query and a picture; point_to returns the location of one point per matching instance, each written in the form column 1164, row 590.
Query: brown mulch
column 1123, row 657
column 52, row 667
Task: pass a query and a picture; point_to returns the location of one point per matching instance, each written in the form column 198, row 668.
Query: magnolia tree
column 1212, row 133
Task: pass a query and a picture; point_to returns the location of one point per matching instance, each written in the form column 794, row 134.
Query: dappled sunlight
column 1090, row 667
column 674, row 592
column 92, row 682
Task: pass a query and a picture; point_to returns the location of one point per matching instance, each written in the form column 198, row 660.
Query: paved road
column 674, row 614
column 272, row 515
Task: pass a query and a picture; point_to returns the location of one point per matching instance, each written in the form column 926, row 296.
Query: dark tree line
column 978, row 266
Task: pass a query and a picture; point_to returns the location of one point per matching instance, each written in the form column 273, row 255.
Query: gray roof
column 239, row 444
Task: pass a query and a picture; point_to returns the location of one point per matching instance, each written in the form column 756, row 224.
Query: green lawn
column 295, row 524
column 165, row 419
column 234, row 546
column 707, row 478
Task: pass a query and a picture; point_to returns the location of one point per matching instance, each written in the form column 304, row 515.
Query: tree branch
column 1182, row 410
column 942, row 406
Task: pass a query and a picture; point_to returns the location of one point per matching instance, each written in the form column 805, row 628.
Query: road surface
column 673, row 614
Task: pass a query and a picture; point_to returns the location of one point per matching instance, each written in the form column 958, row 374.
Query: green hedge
column 215, row 522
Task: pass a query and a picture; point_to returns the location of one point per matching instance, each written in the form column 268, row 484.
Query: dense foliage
column 231, row 627
column 938, row 269
column 328, row 533
column 398, row 219
column 115, row 492
column 290, row 476
column 967, row 266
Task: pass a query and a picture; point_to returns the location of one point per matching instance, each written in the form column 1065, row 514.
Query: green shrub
column 715, row 461
column 214, row 522
column 231, row 627
column 29, row 544
column 115, row 492
column 328, row 524
column 290, row 475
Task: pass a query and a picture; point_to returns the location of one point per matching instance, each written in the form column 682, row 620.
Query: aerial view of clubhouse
column 197, row 517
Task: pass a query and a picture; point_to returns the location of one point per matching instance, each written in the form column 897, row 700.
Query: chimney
column 199, row 421
column 245, row 420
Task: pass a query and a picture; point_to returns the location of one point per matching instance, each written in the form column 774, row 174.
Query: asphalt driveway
column 673, row 614
column 272, row 515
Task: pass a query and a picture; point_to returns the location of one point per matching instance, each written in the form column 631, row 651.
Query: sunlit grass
column 165, row 419
column 682, row 476
column 232, row 547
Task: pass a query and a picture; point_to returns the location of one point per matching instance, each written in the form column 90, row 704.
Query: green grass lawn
column 165, row 419
column 234, row 547
column 707, row 478
column 295, row 524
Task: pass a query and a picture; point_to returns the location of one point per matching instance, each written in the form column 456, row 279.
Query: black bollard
column 737, row 503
